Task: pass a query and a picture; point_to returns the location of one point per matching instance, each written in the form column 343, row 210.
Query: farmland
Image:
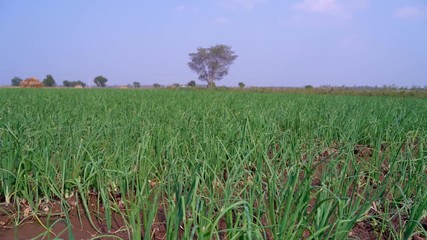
column 187, row 164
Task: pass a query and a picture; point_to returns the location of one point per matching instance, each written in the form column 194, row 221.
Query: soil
column 365, row 230
column 32, row 228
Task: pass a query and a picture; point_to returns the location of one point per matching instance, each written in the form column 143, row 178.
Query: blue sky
column 279, row 43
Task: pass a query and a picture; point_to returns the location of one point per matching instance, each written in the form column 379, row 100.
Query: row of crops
column 217, row 164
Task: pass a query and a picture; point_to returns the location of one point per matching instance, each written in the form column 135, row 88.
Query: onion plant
column 215, row 164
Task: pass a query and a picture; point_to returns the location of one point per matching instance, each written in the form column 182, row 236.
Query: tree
column 67, row 83
column 212, row 63
column 16, row 81
column 49, row 81
column 156, row 85
column 191, row 83
column 100, row 81
column 136, row 84
column 241, row 85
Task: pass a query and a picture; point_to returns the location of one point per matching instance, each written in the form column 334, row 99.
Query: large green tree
column 212, row 63
column 16, row 81
column 49, row 81
column 100, row 81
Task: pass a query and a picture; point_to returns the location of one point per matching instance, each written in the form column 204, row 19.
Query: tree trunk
column 210, row 82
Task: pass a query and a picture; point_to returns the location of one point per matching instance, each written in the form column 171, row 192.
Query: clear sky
column 279, row 43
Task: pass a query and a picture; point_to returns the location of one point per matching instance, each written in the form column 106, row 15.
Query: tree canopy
column 212, row 63
column 73, row 83
column 16, row 81
column 100, row 81
column 49, row 81
column 191, row 83
column 136, row 84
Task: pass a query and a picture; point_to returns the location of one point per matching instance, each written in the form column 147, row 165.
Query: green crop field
column 206, row 164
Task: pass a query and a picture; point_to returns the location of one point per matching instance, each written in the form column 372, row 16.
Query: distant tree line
column 100, row 81
column 67, row 83
column 211, row 64
column 49, row 81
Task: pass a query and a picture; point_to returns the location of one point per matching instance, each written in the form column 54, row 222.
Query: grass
column 246, row 165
